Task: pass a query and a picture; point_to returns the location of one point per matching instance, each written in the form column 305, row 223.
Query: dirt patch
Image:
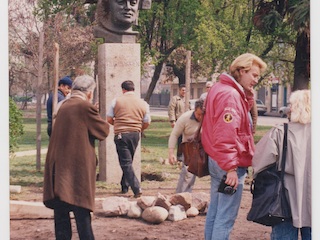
column 118, row 228
column 152, row 177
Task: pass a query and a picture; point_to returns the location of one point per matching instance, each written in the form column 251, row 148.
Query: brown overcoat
column 70, row 167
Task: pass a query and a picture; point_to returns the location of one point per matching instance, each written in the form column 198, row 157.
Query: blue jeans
column 286, row 231
column 223, row 208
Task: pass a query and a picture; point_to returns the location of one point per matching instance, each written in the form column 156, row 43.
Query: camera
column 225, row 188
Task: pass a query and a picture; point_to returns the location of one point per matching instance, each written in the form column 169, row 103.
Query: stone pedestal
column 117, row 62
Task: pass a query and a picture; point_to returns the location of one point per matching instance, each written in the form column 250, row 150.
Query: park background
column 4, row 110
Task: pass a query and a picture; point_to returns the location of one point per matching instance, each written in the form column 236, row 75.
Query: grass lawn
column 153, row 149
column 28, row 140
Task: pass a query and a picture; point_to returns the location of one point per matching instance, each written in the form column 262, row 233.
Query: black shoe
column 124, row 190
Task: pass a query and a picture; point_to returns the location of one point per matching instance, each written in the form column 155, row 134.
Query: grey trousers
column 186, row 180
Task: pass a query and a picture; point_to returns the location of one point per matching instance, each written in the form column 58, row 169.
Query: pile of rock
column 156, row 209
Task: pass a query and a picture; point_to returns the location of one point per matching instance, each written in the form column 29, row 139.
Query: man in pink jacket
column 228, row 140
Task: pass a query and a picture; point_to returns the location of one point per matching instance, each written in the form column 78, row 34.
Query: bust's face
column 122, row 13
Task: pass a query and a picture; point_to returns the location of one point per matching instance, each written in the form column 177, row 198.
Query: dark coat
column 70, row 168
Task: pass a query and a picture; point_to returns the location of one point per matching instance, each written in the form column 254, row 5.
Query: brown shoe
column 137, row 195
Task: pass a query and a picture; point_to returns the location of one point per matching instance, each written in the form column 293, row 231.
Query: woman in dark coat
column 70, row 168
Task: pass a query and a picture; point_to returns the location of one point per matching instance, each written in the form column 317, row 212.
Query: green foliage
column 167, row 26
column 16, row 129
column 300, row 17
column 46, row 9
column 288, row 25
column 81, row 13
column 224, row 32
column 271, row 21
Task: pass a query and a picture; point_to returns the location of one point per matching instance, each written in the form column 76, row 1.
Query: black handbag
column 270, row 205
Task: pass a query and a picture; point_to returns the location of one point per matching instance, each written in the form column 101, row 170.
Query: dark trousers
column 62, row 222
column 126, row 144
column 179, row 151
column 49, row 129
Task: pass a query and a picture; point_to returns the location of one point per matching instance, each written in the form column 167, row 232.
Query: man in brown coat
column 70, row 167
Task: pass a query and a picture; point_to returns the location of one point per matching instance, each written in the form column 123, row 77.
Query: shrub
column 15, row 125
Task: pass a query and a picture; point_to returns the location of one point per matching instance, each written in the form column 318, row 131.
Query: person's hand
column 232, row 179
column 172, row 157
column 97, row 105
column 143, row 135
column 249, row 93
column 172, row 124
column 172, row 160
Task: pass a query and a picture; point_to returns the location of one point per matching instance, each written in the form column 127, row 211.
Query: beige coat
column 187, row 126
column 298, row 166
column 176, row 107
column 70, row 167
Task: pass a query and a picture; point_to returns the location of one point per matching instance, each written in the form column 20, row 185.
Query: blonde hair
column 300, row 102
column 209, row 84
column 245, row 61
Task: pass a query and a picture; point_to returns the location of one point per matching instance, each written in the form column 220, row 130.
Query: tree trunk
column 188, row 79
column 95, row 73
column 302, row 62
column 39, row 95
column 155, row 78
column 180, row 73
column 55, row 79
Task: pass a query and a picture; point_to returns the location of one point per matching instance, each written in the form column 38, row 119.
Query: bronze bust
column 116, row 17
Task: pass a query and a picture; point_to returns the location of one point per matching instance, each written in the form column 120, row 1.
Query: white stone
column 134, row 210
column 192, row 212
column 162, row 201
column 184, row 199
column 30, row 209
column 155, row 214
column 146, row 201
column 15, row 188
column 115, row 206
column 177, row 213
column 201, row 200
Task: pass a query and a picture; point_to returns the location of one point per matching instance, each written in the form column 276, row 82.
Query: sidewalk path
column 30, row 153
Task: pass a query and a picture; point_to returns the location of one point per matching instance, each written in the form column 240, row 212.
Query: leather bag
column 270, row 205
column 195, row 158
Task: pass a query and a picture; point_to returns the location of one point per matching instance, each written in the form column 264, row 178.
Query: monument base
column 117, row 62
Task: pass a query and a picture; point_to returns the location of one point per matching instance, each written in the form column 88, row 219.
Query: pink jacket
column 226, row 131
